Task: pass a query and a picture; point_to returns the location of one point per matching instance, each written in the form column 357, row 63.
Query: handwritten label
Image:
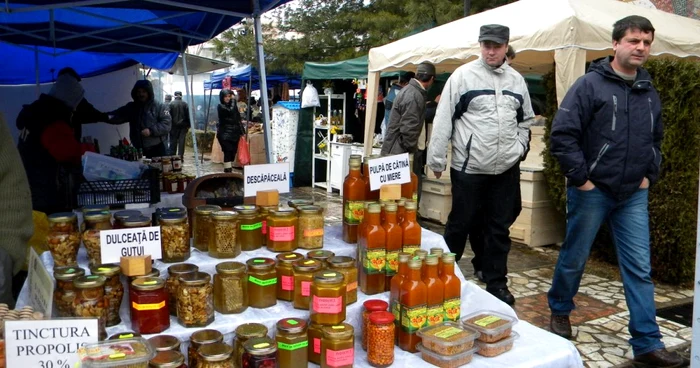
column 305, row 288
column 317, row 345
column 389, row 170
column 260, row 282
column 287, row 283
column 327, row 305
column 40, row 285
column 340, row 358
column 48, row 343
column 266, row 177
column 311, row 233
column 139, row 241
column 285, row 233
column 297, row 346
column 251, row 226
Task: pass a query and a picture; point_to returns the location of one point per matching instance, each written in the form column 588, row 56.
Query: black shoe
column 479, row 276
column 659, row 358
column 560, row 325
column 504, row 295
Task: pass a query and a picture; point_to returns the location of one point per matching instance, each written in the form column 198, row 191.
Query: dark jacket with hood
column 230, row 129
column 609, row 132
column 406, row 120
column 151, row 115
column 179, row 112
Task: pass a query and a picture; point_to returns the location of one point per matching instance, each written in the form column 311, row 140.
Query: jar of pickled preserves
column 175, row 237
column 304, row 270
column 202, row 226
column 282, row 230
column 311, row 224
column 91, row 208
column 64, row 292
column 165, row 343
column 90, row 301
column 216, row 355
column 173, row 282
column 124, row 335
column 63, row 238
column 168, row 359
column 249, row 227
column 95, row 221
column 260, row 352
column 262, row 282
column 230, row 288
column 264, row 213
column 154, row 273
column 347, row 266
column 244, row 333
column 296, row 203
column 135, row 221
column 380, row 339
column 338, row 346
column 285, row 275
column 199, row 339
column 321, row 255
column 149, row 305
column 114, row 290
column 195, row 300
column 370, row 306
column 292, row 343
column 315, row 334
column 222, row 239
column 328, row 298
column 120, row 216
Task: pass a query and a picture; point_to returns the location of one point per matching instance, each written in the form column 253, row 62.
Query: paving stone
column 610, row 339
column 587, row 348
column 614, row 351
column 584, row 337
column 600, row 364
column 595, row 356
column 614, row 358
column 661, row 299
column 672, row 341
column 615, row 326
column 519, row 280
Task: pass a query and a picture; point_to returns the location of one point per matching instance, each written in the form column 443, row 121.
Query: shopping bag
column 309, row 97
column 243, row 152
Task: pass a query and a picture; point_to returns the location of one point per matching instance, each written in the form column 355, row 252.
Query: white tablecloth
column 534, row 348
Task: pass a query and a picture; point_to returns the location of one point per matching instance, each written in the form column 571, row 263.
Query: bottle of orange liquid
column 414, row 300
column 372, row 277
column 401, row 210
column 411, row 230
column 453, row 288
column 394, row 242
column 436, row 291
column 395, row 292
column 370, row 195
column 353, row 197
column 438, row 253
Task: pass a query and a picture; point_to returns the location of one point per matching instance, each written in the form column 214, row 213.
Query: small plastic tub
column 493, row 326
column 127, row 353
column 448, row 338
column 496, row 348
column 446, row 361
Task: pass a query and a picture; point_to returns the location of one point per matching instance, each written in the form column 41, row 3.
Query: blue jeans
column 628, row 220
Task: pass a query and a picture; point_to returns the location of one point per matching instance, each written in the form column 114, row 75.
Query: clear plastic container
column 448, row 338
column 493, row 326
column 496, row 348
column 131, row 353
column 446, row 361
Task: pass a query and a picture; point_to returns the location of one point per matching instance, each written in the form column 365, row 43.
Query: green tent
column 346, row 69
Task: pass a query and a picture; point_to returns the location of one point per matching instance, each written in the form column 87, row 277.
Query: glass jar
column 120, row 216
column 370, row 306
column 262, row 282
column 202, row 226
column 321, row 255
column 315, row 334
column 195, row 300
column 292, row 343
column 64, row 292
column 177, row 163
column 199, row 339
column 90, row 301
column 346, row 265
column 380, row 339
column 149, row 305
column 222, row 240
column 114, row 290
column 282, row 230
column 328, row 298
column 124, row 335
column 264, row 213
column 167, row 210
column 173, row 282
column 216, row 355
column 168, row 359
column 165, row 343
column 95, row 221
column 311, row 224
column 260, row 352
column 63, row 239
column 304, row 270
column 135, row 221
column 249, row 227
column 175, row 237
column 338, row 346
column 154, row 273
column 230, row 288
column 285, row 275
column 244, row 333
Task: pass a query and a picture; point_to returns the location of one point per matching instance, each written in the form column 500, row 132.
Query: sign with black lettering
column 389, row 170
column 40, row 284
column 265, row 177
column 139, row 241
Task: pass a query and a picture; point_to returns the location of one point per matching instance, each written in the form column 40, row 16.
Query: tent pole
column 189, row 91
column 206, row 126
column 265, row 109
column 36, row 70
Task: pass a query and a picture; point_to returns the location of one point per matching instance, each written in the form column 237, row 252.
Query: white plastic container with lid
column 496, row 348
column 493, row 326
column 446, row 361
column 448, row 338
column 132, row 353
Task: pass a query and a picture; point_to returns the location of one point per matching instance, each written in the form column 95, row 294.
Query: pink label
column 317, row 346
column 282, row 233
column 288, row 283
column 305, row 288
column 328, row 305
column 264, row 228
column 340, row 358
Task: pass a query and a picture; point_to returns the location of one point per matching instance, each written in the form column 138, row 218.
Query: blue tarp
column 241, row 76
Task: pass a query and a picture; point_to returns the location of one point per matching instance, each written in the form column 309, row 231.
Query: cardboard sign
column 389, row 170
column 266, row 177
column 40, row 284
column 48, row 343
column 139, row 241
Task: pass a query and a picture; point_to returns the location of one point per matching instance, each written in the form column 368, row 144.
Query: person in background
column 510, row 55
column 168, row 99
column 230, row 128
column 404, row 78
column 180, row 116
column 85, row 113
column 379, row 121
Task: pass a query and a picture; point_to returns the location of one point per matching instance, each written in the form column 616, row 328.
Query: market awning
column 197, row 65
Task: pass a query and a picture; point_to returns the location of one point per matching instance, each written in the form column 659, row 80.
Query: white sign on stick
column 139, row 241
column 389, row 170
column 265, row 177
column 40, row 284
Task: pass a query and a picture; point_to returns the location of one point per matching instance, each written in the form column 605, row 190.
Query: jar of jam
column 63, row 238
column 181, row 183
column 120, row 216
column 216, row 355
column 149, row 305
column 328, row 298
column 135, row 221
column 249, row 227
column 285, row 275
column 292, row 343
column 338, row 346
column 260, row 352
column 124, row 336
column 304, row 270
column 244, row 333
column 370, row 306
column 167, row 164
column 175, row 237
column 380, row 339
column 114, row 290
column 177, row 163
column 168, row 359
column 64, row 292
column 223, row 241
column 264, row 213
column 347, row 266
column 195, row 300
column 165, row 343
column 315, row 334
column 90, row 301
column 202, row 226
column 282, row 230
column 199, row 339
column 230, row 288
column 321, row 255
column 311, row 224
column 262, row 282
column 154, row 273
column 173, row 282
column 95, row 221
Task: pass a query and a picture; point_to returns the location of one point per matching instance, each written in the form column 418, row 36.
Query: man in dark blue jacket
column 607, row 138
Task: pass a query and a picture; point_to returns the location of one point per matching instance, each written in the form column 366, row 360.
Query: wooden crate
column 436, row 199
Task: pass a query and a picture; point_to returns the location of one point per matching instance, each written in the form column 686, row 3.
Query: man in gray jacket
column 485, row 112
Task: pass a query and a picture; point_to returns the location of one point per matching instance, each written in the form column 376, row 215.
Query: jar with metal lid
column 120, row 216
column 311, row 225
column 173, row 282
column 244, row 333
column 282, row 230
column 347, row 266
column 177, row 163
column 135, row 221
column 338, row 346
column 249, row 227
column 315, row 334
column 168, row 359
column 262, row 282
column 154, row 273
column 264, row 213
column 64, row 292
column 195, row 300
column 321, row 255
column 223, row 241
column 304, row 270
column 260, row 352
column 149, row 305
column 285, row 275
column 63, row 238
column 296, row 203
column 216, row 355
column 175, row 237
column 167, row 210
column 90, row 301
column 199, row 339
column 230, row 288
column 202, row 226
column 165, row 343
column 124, row 335
column 292, row 343
column 114, row 290
column 95, row 222
column 167, row 165
column 370, row 306
column 328, row 298
column 380, row 339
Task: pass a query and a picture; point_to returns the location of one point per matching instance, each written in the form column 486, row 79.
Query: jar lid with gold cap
column 67, row 273
column 247, row 209
column 307, row 265
column 148, row 283
column 328, row 277
column 291, row 325
column 206, row 209
column 260, row 346
column 215, row 352
column 320, row 255
column 195, row 278
column 165, row 342
column 260, row 263
column 342, row 261
column 250, row 330
column 89, row 282
column 230, row 268
column 98, row 216
column 182, row 268
column 167, row 359
column 136, row 221
column 106, row 270
column 288, row 258
column 154, row 273
column 338, row 332
column 207, row 336
column 224, row 215
column 61, row 217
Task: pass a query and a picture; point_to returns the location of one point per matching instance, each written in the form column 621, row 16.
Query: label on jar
column 251, row 226
column 374, row 261
column 287, row 283
column 392, row 262
column 259, row 282
column 483, row 322
column 173, row 186
column 354, row 212
column 285, row 233
column 327, row 305
column 317, row 345
column 340, row 358
column 305, row 288
column 264, row 227
column 435, row 314
column 410, row 249
column 297, row 346
column 351, row 286
column 413, row 318
column 453, row 309
column 313, row 233
column 145, row 307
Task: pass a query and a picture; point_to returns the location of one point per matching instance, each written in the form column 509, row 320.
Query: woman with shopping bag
column 230, row 128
